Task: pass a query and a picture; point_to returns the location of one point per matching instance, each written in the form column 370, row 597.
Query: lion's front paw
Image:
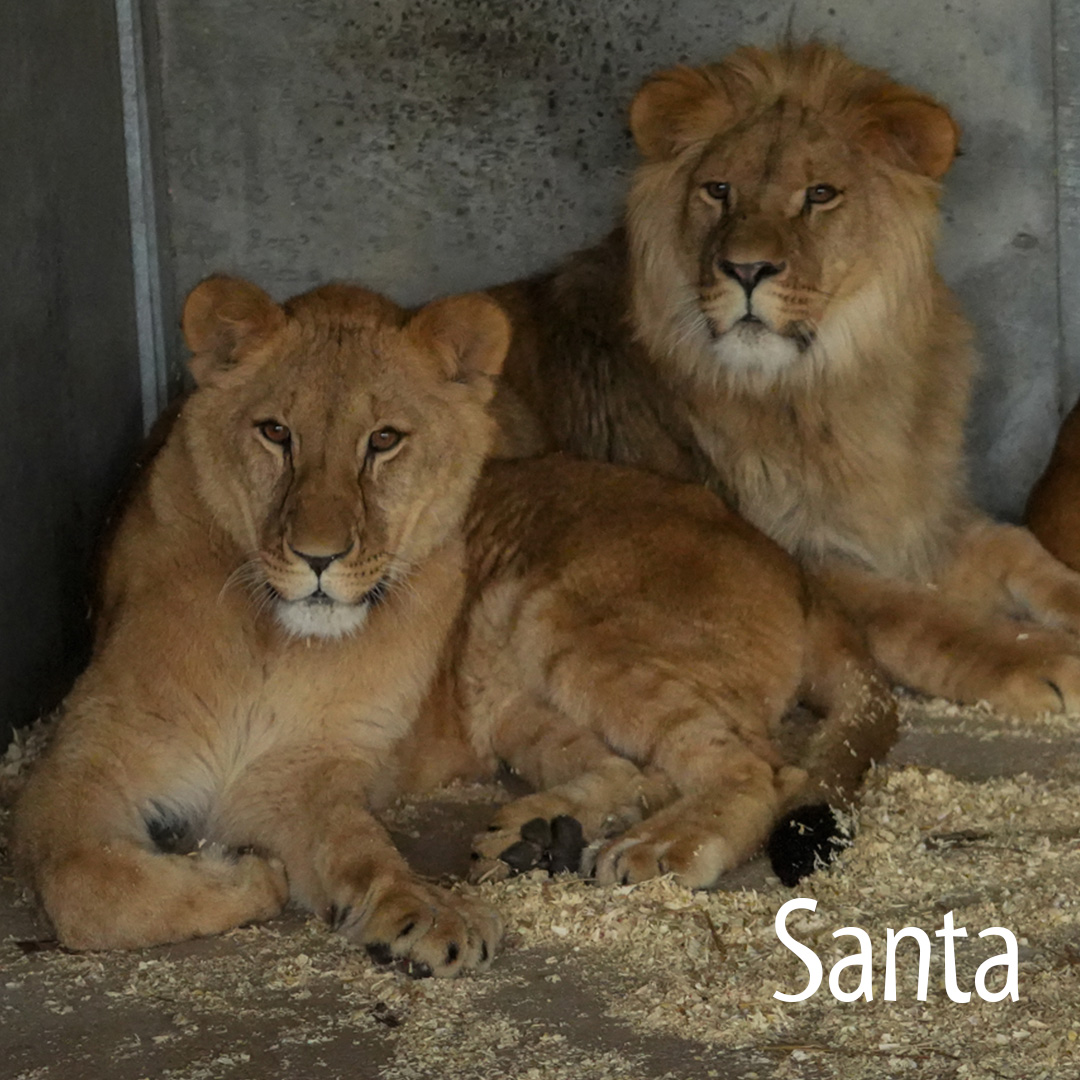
column 553, row 845
column 429, row 930
column 667, row 843
column 696, row 860
column 1049, row 683
column 548, row 830
column 698, row 839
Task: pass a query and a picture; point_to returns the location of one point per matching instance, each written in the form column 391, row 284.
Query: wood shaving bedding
column 705, row 965
column 663, row 961
column 939, row 715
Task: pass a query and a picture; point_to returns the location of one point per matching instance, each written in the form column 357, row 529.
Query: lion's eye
column 384, row 439
column 820, row 194
column 274, row 432
column 717, row 190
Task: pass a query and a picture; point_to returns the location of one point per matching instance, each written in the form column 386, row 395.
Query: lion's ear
column 677, row 108
column 470, row 334
column 914, row 132
column 223, row 317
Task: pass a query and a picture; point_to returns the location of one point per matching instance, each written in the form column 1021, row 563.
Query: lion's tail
column 107, row 879
column 858, row 727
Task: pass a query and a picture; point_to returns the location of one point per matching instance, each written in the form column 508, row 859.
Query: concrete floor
column 221, row 1008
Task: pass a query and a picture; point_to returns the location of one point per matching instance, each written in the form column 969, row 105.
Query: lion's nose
column 319, row 563
column 750, row 274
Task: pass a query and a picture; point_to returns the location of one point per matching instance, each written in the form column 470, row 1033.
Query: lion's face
column 785, row 202
column 335, row 440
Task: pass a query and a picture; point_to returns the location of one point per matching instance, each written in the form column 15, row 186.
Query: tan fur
column 1053, row 510
column 824, row 396
column 630, row 648
column 227, row 702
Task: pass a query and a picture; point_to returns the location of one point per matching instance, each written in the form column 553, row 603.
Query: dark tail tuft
column 807, row 839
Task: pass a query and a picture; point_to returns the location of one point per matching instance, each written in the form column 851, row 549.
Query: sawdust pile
column 1000, row 853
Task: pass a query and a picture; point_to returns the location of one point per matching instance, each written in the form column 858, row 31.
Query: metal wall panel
column 69, row 383
column 1067, row 115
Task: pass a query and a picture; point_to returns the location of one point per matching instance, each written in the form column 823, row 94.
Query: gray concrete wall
column 438, row 145
column 69, row 388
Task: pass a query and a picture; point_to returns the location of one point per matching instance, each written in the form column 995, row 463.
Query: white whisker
column 248, row 573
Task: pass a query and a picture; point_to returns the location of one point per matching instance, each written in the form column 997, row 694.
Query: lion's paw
column 1044, row 684
column 553, row 845
column 260, row 880
column 423, row 929
column 696, row 855
column 265, row 878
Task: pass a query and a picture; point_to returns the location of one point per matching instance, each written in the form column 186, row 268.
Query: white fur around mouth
column 751, row 348
column 316, row 618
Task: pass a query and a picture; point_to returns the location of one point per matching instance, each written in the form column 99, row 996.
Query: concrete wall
column 424, row 146
column 69, row 390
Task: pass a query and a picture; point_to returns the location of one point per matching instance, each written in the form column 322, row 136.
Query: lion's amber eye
column 718, row 190
column 274, row 432
column 820, row 194
column 384, row 439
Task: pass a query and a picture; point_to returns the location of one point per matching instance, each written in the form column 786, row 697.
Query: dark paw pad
column 522, row 856
column 337, row 917
column 807, row 839
column 567, row 844
column 537, row 832
column 381, row 954
column 555, row 847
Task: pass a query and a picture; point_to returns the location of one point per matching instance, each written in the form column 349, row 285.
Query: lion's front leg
column 954, row 639
column 310, row 808
column 1005, row 565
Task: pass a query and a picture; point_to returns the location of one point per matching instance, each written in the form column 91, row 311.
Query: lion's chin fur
column 308, row 619
column 752, row 359
column 752, row 352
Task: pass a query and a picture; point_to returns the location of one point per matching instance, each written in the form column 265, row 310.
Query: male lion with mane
column 770, row 322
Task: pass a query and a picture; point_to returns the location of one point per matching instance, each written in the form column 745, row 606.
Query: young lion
column 770, row 322
column 630, row 650
column 279, row 598
column 276, row 599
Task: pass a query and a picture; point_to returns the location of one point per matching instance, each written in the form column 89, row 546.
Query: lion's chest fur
column 208, row 686
column 363, row 690
column 828, row 481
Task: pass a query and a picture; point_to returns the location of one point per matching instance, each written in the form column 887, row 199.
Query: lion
column 303, row 614
column 769, row 322
column 629, row 647
column 1053, row 508
column 276, row 600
